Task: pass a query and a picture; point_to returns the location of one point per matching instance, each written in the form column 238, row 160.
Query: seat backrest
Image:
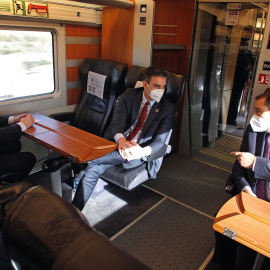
column 174, row 87
column 93, row 114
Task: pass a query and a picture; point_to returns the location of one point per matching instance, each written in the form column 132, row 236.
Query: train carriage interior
column 49, row 49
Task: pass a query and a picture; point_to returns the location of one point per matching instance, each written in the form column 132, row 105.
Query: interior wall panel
column 117, row 34
column 81, row 42
column 82, row 51
column 143, row 33
column 82, row 31
column 74, row 95
column 72, row 74
column 174, row 25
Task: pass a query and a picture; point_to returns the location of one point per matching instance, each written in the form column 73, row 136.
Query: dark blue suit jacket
column 9, row 133
column 252, row 142
column 157, row 125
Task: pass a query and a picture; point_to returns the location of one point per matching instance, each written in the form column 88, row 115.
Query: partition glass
column 227, row 43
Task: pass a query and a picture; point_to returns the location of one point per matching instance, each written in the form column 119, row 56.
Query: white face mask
column 155, row 94
column 261, row 124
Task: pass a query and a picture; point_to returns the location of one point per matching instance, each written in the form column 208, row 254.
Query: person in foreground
column 11, row 160
column 251, row 170
column 251, row 174
column 140, row 125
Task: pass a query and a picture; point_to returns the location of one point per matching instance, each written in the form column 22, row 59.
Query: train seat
column 131, row 178
column 43, row 231
column 94, row 113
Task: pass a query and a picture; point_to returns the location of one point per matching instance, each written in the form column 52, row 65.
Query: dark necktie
column 141, row 120
column 261, row 185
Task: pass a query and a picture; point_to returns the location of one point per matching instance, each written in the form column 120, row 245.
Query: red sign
column 142, row 20
column 263, row 79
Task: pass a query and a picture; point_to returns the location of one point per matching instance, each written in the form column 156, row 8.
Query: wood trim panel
column 73, row 74
column 82, row 31
column 180, row 13
column 165, row 30
column 74, row 96
column 177, row 12
column 82, row 51
column 117, row 34
column 171, row 60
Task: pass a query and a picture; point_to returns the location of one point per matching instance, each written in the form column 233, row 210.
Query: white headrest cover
column 138, row 84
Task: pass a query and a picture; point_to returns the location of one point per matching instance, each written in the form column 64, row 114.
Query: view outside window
column 26, row 68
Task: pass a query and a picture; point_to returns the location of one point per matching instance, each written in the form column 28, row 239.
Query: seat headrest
column 175, row 87
column 93, row 113
column 138, row 84
column 134, row 74
column 114, row 71
column 175, row 83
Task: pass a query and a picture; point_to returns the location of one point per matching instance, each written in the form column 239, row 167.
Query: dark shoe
column 54, row 164
column 234, row 123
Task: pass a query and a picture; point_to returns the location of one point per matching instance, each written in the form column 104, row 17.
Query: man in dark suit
column 251, row 171
column 251, row 174
column 135, row 142
column 11, row 160
column 251, row 163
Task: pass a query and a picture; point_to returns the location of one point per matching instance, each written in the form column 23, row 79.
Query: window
column 27, row 63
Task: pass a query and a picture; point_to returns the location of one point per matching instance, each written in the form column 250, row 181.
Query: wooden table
column 75, row 144
column 246, row 219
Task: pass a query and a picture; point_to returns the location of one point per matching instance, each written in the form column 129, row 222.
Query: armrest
column 161, row 153
column 166, row 149
column 63, row 117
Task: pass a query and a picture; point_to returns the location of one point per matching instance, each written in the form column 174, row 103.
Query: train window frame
column 58, row 97
column 52, row 79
